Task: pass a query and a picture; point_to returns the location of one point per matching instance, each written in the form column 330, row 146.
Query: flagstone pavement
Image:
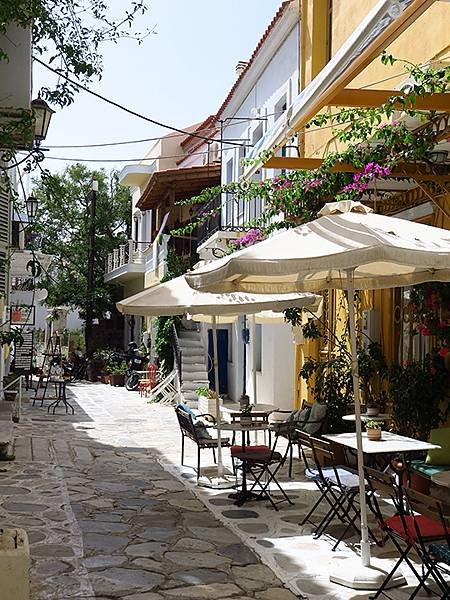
column 110, row 514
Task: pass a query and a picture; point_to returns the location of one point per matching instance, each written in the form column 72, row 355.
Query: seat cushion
column 261, row 448
column 187, row 410
column 348, row 477
column 315, row 419
column 213, row 442
column 258, row 457
column 428, row 528
column 315, row 474
column 427, row 469
column 441, row 552
column 439, row 456
column 201, row 430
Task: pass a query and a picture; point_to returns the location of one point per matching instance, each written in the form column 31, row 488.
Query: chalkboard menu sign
column 23, row 355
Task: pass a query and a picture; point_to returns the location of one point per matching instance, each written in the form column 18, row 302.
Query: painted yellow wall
column 425, row 40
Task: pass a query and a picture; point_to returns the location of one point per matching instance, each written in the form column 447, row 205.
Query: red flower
column 433, row 370
column 443, row 351
column 425, row 331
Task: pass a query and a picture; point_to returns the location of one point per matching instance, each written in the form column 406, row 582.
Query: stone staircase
column 193, row 364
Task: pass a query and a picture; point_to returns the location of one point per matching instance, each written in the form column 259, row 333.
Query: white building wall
column 277, row 79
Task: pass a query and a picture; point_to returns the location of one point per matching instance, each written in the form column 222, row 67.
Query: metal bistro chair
column 435, row 554
column 148, row 383
column 263, row 465
column 400, row 529
column 340, row 487
column 191, row 430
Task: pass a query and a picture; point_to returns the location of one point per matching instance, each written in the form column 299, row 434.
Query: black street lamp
column 31, row 205
column 42, row 115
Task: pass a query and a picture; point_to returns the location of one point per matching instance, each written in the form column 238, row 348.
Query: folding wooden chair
column 400, row 529
column 435, row 554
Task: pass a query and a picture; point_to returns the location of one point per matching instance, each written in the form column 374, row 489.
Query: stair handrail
column 177, row 354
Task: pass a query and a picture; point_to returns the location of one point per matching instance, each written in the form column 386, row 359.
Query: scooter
column 136, row 362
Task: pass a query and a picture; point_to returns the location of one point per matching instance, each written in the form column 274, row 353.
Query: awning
column 384, row 23
column 183, row 183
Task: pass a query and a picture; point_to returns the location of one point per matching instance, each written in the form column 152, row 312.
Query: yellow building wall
column 427, row 39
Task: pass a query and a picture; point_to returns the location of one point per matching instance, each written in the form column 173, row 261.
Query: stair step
column 194, row 375
column 191, row 352
column 188, row 343
column 189, row 367
column 189, row 335
column 192, row 386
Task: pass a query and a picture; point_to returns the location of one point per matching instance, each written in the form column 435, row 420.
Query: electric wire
column 121, row 106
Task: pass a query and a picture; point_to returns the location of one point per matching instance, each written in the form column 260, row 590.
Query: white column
column 217, row 386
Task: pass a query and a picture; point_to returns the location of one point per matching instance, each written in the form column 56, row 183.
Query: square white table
column 390, row 443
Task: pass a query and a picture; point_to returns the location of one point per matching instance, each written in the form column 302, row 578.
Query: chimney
column 240, row 67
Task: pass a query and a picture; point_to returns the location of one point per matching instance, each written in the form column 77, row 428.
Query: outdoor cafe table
column 259, row 410
column 366, row 417
column 244, row 494
column 390, row 443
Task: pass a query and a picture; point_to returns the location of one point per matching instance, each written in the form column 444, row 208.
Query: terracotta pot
column 10, row 395
column 374, row 434
column 117, row 380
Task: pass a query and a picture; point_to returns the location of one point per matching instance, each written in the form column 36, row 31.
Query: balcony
column 124, row 263
column 227, row 223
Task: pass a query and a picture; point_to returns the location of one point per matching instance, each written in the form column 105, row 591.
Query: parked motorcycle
column 136, row 363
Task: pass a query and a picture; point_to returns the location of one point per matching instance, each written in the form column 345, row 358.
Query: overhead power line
column 122, row 107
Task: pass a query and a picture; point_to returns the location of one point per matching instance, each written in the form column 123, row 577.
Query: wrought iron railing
column 177, row 354
column 228, row 216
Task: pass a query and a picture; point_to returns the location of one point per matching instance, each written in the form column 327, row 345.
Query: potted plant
column 373, row 429
column 10, row 394
column 117, row 376
column 246, row 417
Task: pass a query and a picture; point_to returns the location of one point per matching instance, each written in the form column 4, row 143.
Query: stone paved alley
column 105, row 520
column 111, row 514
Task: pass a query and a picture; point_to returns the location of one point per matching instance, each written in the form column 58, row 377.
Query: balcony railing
column 228, row 216
column 125, row 254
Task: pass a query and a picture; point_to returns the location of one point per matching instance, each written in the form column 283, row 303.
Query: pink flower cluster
column 278, row 183
column 250, row 238
column 361, row 181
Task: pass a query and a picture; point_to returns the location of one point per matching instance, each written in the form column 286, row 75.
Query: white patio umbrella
column 347, row 247
column 176, row 297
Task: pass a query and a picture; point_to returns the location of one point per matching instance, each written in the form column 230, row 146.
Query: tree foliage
column 68, row 34
column 62, row 226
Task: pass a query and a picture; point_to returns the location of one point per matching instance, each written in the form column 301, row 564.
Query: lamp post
column 42, row 117
column 90, row 273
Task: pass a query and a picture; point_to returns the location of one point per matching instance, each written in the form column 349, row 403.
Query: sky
column 179, row 76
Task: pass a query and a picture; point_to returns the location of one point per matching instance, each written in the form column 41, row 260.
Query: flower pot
column 104, row 378
column 10, row 395
column 117, row 380
column 373, row 411
column 374, row 434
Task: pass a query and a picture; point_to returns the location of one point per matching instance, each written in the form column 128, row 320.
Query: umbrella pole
column 253, row 341
column 347, row 572
column 217, row 390
column 365, row 545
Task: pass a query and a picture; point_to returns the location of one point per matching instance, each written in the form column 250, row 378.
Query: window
column 241, row 201
column 280, row 107
column 229, row 201
column 257, row 134
column 412, row 345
